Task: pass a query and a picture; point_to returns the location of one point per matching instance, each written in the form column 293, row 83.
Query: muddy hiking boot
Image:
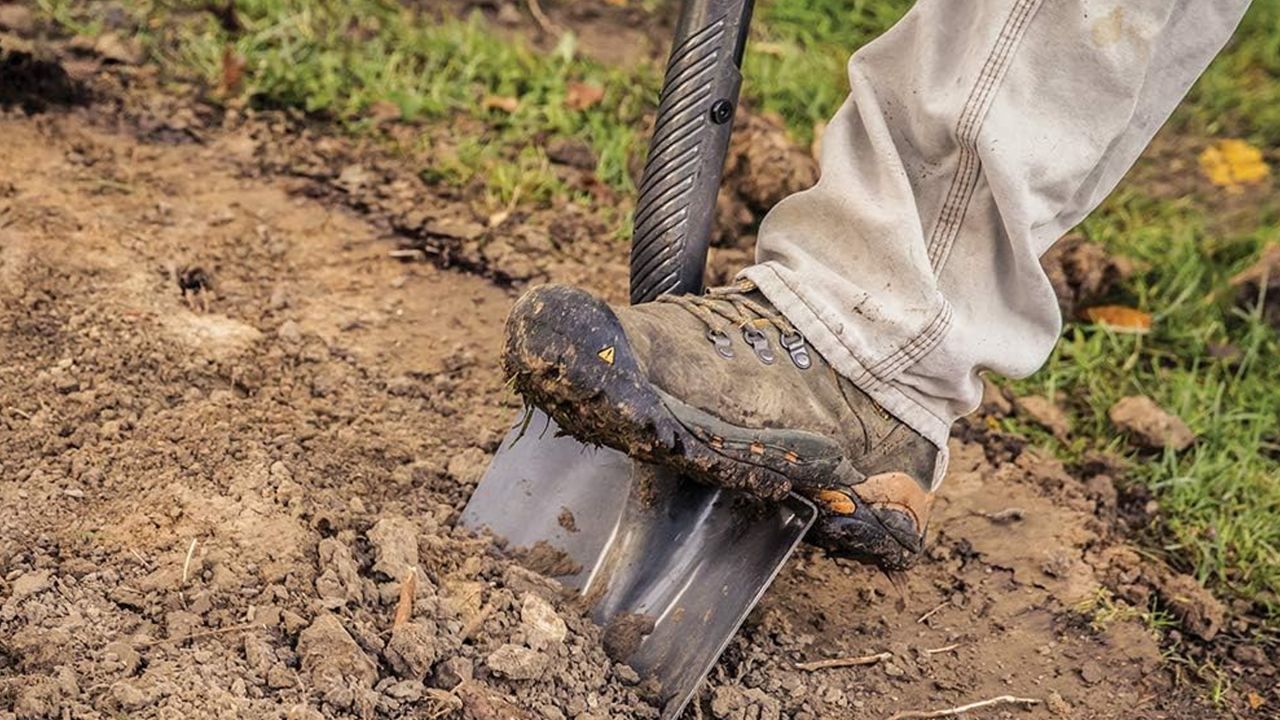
column 722, row 388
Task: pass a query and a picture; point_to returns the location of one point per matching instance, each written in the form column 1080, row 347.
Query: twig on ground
column 540, row 17
column 934, row 611
column 844, row 662
column 186, row 564
column 202, row 634
column 946, row 648
column 949, row 712
column 404, row 608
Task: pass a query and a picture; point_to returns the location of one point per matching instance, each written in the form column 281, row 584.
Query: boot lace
column 726, row 309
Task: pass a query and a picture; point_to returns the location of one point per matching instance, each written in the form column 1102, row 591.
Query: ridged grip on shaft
column 682, row 174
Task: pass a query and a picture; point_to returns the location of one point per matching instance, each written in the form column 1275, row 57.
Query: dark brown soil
column 623, row 634
column 546, row 559
column 210, row 493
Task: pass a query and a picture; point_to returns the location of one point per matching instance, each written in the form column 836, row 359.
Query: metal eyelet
column 758, row 342
column 795, row 347
column 724, row 346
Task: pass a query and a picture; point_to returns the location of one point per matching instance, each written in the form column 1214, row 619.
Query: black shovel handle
column 686, row 154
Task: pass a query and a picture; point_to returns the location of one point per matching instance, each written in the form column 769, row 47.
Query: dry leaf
column 1119, row 318
column 1232, row 163
column 504, row 103
column 1255, row 700
column 233, row 65
column 580, row 96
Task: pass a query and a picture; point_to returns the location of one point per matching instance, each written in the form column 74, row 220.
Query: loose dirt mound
column 213, row 493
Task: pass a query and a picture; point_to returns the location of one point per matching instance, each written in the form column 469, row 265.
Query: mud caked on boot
column 722, row 388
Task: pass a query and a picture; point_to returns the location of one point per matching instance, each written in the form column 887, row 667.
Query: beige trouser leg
column 976, row 134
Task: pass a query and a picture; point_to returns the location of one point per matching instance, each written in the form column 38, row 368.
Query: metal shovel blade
column 670, row 567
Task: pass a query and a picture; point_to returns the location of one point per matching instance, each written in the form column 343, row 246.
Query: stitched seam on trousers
column 963, row 183
column 905, row 353
column 818, row 316
column 925, row 342
column 966, row 131
column 940, row 251
column 868, row 383
column 871, row 381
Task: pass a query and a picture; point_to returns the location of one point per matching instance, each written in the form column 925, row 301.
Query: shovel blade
column 652, row 551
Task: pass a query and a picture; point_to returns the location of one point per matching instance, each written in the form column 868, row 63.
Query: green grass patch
column 796, row 61
column 1220, row 499
column 1239, row 95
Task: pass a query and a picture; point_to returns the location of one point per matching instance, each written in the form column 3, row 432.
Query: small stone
column 127, row 597
column 1149, row 425
column 336, row 664
column 126, row 696
column 412, row 649
column 123, row 653
column 626, row 674
column 1092, row 673
column 180, row 623
column 729, row 702
column 30, row 584
column 455, row 228
column 1199, row 611
column 292, row 621
column 17, row 19
column 517, row 663
column 453, row 672
column 543, row 627
column 395, row 544
column 1057, row 705
column 1044, row 413
column 279, row 676
column 127, row 51
column 407, row 690
column 573, row 152
column 289, row 332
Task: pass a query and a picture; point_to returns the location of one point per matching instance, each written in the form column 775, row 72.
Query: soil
column 211, row 492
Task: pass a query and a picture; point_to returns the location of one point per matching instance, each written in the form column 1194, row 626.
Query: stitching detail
column 968, row 128
column 872, row 383
column 920, row 346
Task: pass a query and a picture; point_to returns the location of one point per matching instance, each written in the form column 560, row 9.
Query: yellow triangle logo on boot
column 606, row 355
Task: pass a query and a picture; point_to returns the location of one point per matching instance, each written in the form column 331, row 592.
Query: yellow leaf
column 1119, row 318
column 500, row 102
column 1232, row 163
column 580, row 96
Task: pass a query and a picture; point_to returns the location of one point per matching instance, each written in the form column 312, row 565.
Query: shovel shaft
column 682, row 175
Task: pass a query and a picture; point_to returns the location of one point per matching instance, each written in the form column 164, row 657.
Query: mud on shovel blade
column 670, row 566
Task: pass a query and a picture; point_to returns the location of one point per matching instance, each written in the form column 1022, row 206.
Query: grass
column 1220, row 500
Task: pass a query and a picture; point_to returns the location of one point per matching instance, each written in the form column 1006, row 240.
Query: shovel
column 669, row 567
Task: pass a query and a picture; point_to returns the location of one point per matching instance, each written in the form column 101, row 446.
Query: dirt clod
column 546, row 559
column 623, row 635
column 1199, row 611
column 1045, row 413
column 518, row 663
column 1149, row 425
